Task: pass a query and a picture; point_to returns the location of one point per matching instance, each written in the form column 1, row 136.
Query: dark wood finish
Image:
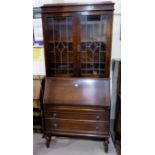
column 77, row 7
column 76, row 100
column 82, row 113
column 70, row 125
column 89, row 116
column 70, row 108
column 76, row 91
column 48, row 139
column 76, row 40
column 109, row 44
column 60, row 22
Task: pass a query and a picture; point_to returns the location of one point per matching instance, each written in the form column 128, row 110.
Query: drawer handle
column 55, row 125
column 97, row 128
column 97, row 117
column 54, row 115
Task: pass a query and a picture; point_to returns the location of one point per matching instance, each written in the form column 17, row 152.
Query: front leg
column 106, row 142
column 48, row 140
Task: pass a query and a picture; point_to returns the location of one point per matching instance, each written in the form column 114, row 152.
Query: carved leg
column 106, row 142
column 48, row 140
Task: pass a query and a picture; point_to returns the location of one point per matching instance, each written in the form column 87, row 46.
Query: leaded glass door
column 77, row 45
column 60, row 46
column 93, row 45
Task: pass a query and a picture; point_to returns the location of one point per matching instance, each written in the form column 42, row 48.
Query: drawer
column 77, row 126
column 69, row 108
column 91, row 116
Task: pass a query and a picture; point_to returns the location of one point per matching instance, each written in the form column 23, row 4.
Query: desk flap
column 77, row 91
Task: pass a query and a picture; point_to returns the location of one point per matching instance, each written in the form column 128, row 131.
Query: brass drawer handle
column 55, row 125
column 54, row 114
column 97, row 128
column 97, row 117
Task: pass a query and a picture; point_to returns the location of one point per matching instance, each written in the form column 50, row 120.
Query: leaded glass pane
column 60, row 45
column 93, row 45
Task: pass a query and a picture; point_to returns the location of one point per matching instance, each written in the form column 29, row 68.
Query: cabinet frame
column 66, row 95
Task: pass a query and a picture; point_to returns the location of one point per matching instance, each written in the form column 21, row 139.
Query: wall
column 39, row 66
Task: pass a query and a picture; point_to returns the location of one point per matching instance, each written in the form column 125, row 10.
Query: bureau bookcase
column 77, row 40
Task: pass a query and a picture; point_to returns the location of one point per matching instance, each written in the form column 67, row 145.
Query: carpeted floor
column 65, row 146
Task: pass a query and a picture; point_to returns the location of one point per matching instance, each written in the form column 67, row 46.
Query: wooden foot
column 106, row 142
column 48, row 140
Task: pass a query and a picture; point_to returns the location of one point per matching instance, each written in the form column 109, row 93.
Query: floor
column 65, row 146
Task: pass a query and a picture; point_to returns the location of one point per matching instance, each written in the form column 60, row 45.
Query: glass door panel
column 93, row 45
column 60, row 46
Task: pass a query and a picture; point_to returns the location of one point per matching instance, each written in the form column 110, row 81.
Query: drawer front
column 68, row 108
column 77, row 126
column 100, row 116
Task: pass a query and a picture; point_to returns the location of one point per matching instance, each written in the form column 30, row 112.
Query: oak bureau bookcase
column 76, row 99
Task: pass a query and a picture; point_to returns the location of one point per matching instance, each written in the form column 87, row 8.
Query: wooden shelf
column 103, row 52
column 92, row 69
column 94, row 40
column 91, row 75
column 63, row 23
column 92, row 62
column 59, row 63
column 62, row 75
column 82, row 41
column 52, row 42
column 67, row 51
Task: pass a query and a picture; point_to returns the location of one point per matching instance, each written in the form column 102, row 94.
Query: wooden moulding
column 74, row 7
